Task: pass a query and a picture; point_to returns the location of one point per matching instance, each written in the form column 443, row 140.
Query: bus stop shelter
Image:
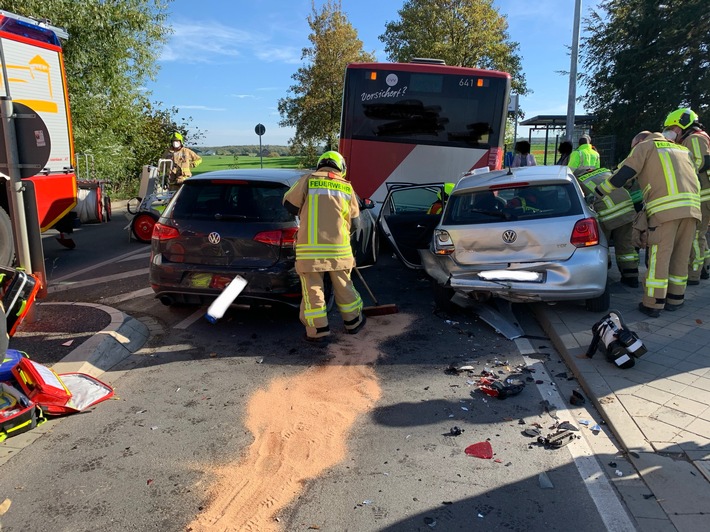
column 556, row 124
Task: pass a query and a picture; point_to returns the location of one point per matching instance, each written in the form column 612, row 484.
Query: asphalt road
column 204, row 410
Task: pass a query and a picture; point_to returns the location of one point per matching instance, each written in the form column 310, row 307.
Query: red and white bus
column 420, row 122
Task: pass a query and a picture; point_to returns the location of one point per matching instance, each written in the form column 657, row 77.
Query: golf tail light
column 163, row 232
column 286, row 238
column 585, row 233
column 443, row 245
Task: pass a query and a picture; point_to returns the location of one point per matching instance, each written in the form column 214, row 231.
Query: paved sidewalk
column 660, row 408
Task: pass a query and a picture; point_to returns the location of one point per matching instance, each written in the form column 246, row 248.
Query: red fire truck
column 38, row 184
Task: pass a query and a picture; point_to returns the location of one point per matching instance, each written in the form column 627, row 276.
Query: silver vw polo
column 521, row 234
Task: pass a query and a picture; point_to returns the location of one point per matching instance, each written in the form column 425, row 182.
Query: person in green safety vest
column 585, row 157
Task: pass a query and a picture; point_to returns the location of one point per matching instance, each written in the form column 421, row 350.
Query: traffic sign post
column 260, row 130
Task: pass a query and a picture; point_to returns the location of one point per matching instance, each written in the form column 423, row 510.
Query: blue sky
column 230, row 61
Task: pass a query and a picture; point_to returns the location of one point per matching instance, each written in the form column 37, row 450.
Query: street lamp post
column 573, row 70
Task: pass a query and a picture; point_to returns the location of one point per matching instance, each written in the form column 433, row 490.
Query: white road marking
column 132, row 254
column 192, row 318
column 128, row 295
column 63, row 287
column 605, row 497
column 144, row 255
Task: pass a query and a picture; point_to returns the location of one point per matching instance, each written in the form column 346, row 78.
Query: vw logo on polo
column 509, row 236
column 214, row 238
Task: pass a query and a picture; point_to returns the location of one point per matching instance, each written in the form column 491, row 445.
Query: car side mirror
column 367, row 203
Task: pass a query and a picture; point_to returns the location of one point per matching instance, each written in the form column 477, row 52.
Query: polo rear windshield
column 516, row 203
column 230, row 200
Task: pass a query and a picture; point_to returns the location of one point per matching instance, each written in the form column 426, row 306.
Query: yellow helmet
column 176, row 136
column 334, row 160
column 682, row 118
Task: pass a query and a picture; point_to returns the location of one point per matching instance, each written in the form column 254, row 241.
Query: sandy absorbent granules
column 300, row 426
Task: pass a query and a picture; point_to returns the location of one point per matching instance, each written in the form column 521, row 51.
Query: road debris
column 544, row 481
column 481, row 449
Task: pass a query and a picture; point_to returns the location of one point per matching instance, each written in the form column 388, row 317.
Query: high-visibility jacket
column 667, row 178
column 584, row 157
column 698, row 143
column 327, row 205
column 614, row 209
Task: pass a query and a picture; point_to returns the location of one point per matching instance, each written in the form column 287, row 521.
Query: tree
column 644, row 59
column 469, row 33
column 315, row 105
column 111, row 52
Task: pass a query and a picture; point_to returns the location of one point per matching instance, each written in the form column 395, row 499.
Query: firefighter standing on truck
column 327, row 207
column 616, row 214
column 672, row 198
column 184, row 160
column 689, row 132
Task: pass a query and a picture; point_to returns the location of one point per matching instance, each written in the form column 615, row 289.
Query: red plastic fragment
column 481, row 449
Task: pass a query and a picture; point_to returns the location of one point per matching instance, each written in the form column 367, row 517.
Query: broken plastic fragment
column 544, row 481
column 619, row 473
column 481, row 449
column 596, row 428
column 584, row 422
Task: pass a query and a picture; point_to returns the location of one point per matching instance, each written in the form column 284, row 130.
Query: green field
column 225, row 162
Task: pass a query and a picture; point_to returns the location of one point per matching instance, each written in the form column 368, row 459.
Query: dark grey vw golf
column 232, row 222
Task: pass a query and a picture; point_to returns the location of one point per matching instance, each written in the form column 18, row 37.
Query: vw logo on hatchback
column 509, row 236
column 214, row 238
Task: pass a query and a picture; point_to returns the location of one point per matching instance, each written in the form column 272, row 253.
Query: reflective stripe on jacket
column 614, row 209
column 698, row 143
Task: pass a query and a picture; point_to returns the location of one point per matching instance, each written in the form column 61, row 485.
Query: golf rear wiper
column 220, row 216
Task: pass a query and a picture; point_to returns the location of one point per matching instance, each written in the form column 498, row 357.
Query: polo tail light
column 443, row 245
column 585, row 233
column 285, row 238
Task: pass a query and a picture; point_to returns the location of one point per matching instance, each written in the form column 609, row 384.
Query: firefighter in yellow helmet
column 671, row 195
column 327, row 207
column 682, row 126
column 183, row 159
column 616, row 214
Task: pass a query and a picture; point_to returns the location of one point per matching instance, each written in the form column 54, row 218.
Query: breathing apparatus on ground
column 620, row 344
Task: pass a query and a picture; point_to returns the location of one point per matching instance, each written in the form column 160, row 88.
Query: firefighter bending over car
column 616, row 214
column 327, row 207
column 184, row 160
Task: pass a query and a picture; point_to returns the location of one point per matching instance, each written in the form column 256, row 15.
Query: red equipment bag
column 19, row 290
column 18, row 413
column 67, row 393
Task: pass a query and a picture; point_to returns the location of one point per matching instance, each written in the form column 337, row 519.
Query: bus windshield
column 454, row 116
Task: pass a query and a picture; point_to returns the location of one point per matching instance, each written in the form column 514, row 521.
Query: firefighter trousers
column 314, row 311
column 627, row 258
column 669, row 246
column 699, row 254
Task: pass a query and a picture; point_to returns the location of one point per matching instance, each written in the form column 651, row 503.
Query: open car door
column 405, row 219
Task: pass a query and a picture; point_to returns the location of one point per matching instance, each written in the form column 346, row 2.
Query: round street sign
column 260, row 129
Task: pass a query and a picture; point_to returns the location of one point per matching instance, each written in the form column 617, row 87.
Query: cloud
column 242, row 96
column 201, row 108
column 214, row 42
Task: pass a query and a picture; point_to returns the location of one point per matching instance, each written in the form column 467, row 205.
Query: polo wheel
column 142, row 226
